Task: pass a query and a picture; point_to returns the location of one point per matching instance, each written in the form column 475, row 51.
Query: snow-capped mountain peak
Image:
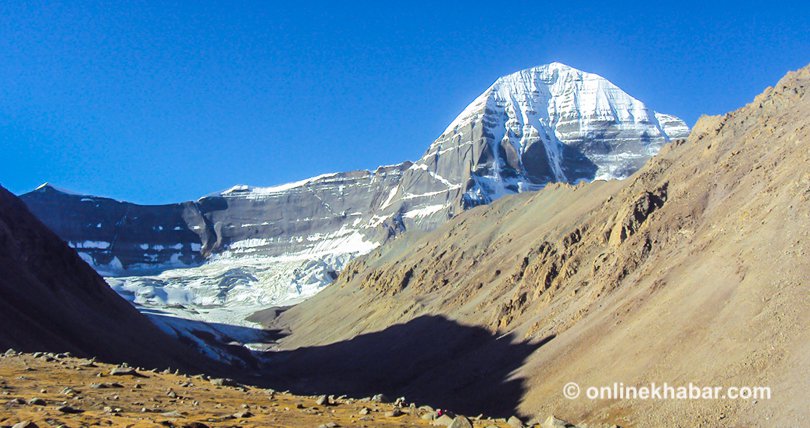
column 549, row 123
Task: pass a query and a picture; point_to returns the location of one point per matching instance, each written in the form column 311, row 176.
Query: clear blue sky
column 157, row 101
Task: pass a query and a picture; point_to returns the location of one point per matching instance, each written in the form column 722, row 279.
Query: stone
column 552, row 422
column 394, row 413
column 36, row 402
column 25, row 424
column 364, row 411
column 124, row 371
column 514, row 422
column 69, row 410
column 322, row 401
column 223, row 382
column 460, row 422
column 443, row 420
column 244, row 414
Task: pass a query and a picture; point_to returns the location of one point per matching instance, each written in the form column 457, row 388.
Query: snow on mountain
column 249, row 247
column 551, row 123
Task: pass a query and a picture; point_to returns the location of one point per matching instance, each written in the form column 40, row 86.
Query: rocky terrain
column 250, row 247
column 44, row 390
column 694, row 269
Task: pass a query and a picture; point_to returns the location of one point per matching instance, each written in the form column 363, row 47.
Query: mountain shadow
column 429, row 360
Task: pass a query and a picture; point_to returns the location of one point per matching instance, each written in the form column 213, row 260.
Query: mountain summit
column 551, row 123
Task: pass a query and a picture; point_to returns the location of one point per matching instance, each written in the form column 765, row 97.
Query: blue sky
column 158, row 102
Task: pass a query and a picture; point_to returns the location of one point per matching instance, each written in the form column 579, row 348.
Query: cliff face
column 694, row 269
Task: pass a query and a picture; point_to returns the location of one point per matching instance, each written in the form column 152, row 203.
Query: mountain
column 248, row 246
column 693, row 270
column 50, row 300
column 551, row 123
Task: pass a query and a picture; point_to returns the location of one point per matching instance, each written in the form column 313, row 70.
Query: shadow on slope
column 224, row 343
column 429, row 360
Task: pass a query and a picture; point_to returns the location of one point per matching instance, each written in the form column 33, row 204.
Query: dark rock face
column 106, row 232
column 336, row 212
column 52, row 301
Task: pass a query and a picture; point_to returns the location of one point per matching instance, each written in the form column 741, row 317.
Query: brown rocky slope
column 695, row 269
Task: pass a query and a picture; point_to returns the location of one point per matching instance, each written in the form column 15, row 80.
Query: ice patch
column 99, row 245
column 424, row 212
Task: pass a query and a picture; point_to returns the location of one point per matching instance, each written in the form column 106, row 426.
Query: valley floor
column 60, row 390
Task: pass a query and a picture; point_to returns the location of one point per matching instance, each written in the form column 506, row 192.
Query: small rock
column 394, row 413
column 25, row 424
column 514, row 422
column 364, row 411
column 36, row 402
column 460, row 422
column 223, row 382
column 379, row 398
column 322, row 401
column 553, row 422
column 125, row 371
column 245, row 414
column 69, row 410
column 17, row 401
column 172, row 414
column 443, row 420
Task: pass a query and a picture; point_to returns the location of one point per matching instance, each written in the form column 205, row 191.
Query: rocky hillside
column 50, row 300
column 694, row 269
